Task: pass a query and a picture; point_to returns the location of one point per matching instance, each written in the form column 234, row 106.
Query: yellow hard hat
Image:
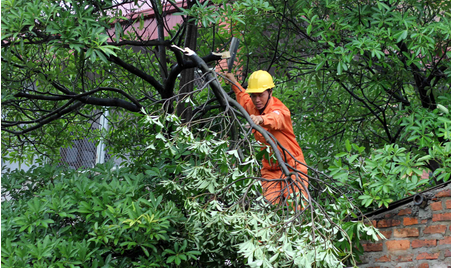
column 259, row 82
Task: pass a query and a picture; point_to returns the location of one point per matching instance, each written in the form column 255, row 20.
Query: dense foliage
column 194, row 205
column 393, row 172
column 367, row 83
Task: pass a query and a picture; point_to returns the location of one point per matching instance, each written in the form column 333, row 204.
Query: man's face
column 260, row 99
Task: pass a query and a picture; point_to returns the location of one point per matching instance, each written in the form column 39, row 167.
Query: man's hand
column 257, row 119
column 230, row 79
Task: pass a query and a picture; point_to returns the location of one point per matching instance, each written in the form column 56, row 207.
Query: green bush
column 393, row 172
column 99, row 217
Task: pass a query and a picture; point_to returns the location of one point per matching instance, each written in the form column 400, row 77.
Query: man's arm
column 277, row 119
column 242, row 98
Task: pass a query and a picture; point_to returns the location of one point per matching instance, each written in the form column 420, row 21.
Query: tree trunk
column 187, row 76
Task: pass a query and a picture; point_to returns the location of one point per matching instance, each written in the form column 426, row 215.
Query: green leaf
column 177, row 260
column 352, row 158
column 341, row 154
column 107, row 51
column 348, row 146
column 412, row 138
column 308, row 30
column 101, row 56
column 317, row 68
column 442, row 108
column 339, row 68
column 425, row 158
column 382, row 5
column 170, row 259
column 145, row 251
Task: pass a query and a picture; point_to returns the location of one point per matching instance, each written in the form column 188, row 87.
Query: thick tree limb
column 83, row 96
column 147, row 43
column 134, row 70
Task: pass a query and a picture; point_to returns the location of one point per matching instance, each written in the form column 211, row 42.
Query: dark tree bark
column 187, row 76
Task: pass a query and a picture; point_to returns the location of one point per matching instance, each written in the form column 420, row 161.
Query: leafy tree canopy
column 367, row 83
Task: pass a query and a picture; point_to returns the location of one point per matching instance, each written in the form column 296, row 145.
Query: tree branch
column 49, row 119
column 134, row 70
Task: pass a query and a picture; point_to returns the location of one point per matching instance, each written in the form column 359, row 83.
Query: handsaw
column 233, row 52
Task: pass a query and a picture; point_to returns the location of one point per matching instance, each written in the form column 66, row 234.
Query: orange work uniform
column 277, row 121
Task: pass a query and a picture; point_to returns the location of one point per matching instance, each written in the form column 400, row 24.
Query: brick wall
column 416, row 236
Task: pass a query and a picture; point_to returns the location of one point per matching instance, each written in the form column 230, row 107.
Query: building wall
column 416, row 235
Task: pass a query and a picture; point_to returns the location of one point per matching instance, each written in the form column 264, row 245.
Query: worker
column 271, row 114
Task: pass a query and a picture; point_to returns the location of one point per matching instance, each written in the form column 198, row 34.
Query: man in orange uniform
column 270, row 113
